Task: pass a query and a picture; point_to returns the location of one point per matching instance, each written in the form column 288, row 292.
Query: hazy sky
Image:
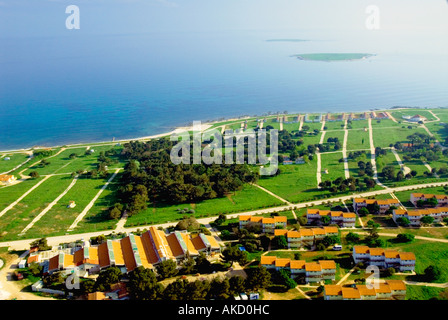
column 47, row 17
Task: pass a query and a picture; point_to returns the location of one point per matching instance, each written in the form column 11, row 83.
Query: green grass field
column 358, row 139
column 247, row 199
column 335, row 168
column 383, row 137
column 13, row 221
column 295, row 183
column 59, row 218
column 15, row 160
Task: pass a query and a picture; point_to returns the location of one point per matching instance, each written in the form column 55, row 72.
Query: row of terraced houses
column 312, row 271
column 342, row 219
column 130, row 252
column 383, row 258
column 391, row 289
column 305, row 236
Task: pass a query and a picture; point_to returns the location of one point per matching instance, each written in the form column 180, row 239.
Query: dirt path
column 49, row 207
column 373, row 156
column 90, row 205
column 11, row 289
column 23, row 196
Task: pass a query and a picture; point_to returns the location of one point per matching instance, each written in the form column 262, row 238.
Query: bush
column 279, row 288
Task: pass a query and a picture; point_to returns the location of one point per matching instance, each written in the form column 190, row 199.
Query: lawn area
column 249, row 198
column 427, row 254
column 15, row 160
column 97, row 218
column 383, row 137
column 386, row 123
column 335, row 168
column 398, row 115
column 358, row 139
column 63, row 164
column 11, row 193
column 21, row 215
column 295, row 182
column 358, row 124
column 424, row 293
column 59, row 218
column 438, row 130
column 335, row 125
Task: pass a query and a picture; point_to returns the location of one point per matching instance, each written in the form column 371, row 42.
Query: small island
column 333, row 56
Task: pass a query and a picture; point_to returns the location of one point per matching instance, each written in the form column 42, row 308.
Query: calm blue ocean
column 72, row 89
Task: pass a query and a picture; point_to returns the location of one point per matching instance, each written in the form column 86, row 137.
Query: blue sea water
column 71, row 89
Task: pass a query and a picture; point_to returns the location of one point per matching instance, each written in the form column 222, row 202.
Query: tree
column 403, row 221
column 34, row 174
column 363, row 212
column 331, row 240
column 388, row 172
column 72, row 156
column 353, row 238
column 87, row 286
column 258, row 278
column 188, row 265
column 326, row 220
column 143, row 284
column 280, row 242
column 42, row 244
column 234, row 254
column 221, row 219
column 35, row 268
column 432, row 273
column 167, row 269
column 237, row 285
column 115, row 213
column 427, row 220
column 107, row 278
column 405, row 237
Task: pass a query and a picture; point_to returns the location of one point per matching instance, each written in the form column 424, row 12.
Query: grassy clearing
column 335, row 125
column 59, row 218
column 249, row 198
column 335, row 168
column 295, row 182
column 358, row 124
column 15, row 160
column 383, row 137
column 98, row 216
column 11, row 193
column 424, row 293
column 358, row 139
column 21, row 215
column 398, row 115
column 62, row 163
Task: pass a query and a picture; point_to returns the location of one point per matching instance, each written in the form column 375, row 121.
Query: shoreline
column 205, row 125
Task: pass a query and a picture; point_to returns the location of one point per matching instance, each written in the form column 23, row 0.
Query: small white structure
column 7, row 158
column 71, row 204
column 22, row 264
column 244, row 296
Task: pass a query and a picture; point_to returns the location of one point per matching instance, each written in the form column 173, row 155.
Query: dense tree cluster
column 151, row 176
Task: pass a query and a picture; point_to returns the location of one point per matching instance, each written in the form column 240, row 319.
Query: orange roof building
column 402, row 261
column 268, row 225
column 390, row 289
column 132, row 251
column 342, row 219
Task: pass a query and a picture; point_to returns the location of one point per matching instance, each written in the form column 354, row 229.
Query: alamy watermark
column 73, row 20
column 219, row 148
column 373, row 20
